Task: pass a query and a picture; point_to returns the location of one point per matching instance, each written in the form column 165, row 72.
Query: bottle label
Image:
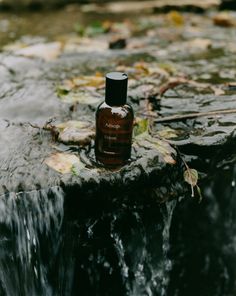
column 114, row 138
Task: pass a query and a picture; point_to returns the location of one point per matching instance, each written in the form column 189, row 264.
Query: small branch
column 173, row 82
column 189, row 115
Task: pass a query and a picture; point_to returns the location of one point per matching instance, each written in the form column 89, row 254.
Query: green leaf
column 141, row 126
column 95, row 28
column 79, row 29
column 191, row 176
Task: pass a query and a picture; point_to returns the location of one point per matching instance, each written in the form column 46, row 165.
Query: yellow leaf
column 168, row 133
column 94, row 81
column 175, row 18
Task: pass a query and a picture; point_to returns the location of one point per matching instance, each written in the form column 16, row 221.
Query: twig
column 189, row 115
column 173, row 82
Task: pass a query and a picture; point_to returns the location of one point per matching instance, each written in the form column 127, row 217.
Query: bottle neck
column 115, row 102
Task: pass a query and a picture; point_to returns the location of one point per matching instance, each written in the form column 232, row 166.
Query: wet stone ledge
column 30, row 99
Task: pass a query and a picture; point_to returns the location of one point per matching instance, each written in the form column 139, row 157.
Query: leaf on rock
column 46, row 51
column 63, row 162
column 84, row 44
column 224, row 19
column 200, row 43
column 164, row 148
column 175, row 18
column 191, row 176
column 75, row 136
column 94, row 81
column 140, row 126
column 74, row 124
column 75, row 132
column 81, row 97
column 168, row 133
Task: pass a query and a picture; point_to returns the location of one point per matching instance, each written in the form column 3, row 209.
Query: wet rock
column 117, row 43
column 68, row 88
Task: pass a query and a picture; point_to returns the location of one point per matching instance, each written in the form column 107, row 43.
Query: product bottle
column 114, row 123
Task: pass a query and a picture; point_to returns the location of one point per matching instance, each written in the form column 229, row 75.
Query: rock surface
column 198, row 57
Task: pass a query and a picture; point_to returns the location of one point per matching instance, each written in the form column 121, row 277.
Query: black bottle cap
column 116, row 88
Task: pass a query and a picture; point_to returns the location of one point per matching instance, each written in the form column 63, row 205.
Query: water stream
column 178, row 248
column 30, row 224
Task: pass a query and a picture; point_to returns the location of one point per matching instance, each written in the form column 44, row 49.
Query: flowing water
column 49, row 247
column 29, row 221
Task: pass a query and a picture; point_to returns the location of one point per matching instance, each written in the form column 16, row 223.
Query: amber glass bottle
column 114, row 123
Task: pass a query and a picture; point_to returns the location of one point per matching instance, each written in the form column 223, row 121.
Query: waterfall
column 145, row 270
column 167, row 213
column 30, row 224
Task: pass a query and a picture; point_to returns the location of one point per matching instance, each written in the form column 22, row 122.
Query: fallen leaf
column 62, row 162
column 81, row 97
column 46, row 51
column 164, row 148
column 74, row 124
column 85, row 44
column 168, row 133
column 224, row 19
column 140, row 126
column 199, row 43
column 217, row 90
column 75, row 136
column 95, row 81
column 175, row 18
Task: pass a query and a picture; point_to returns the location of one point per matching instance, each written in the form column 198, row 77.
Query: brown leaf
column 223, row 19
